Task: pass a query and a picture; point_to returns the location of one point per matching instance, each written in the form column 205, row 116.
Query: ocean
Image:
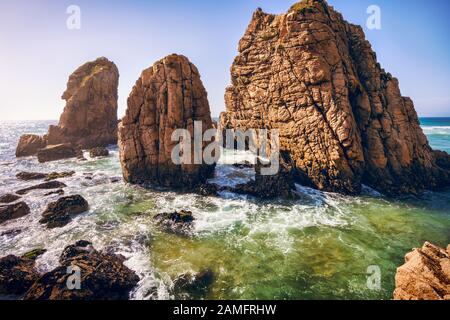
column 322, row 246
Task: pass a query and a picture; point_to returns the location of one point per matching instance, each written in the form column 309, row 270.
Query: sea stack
column 168, row 96
column 89, row 118
column 342, row 119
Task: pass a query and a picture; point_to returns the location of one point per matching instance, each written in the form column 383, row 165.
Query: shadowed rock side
column 167, row 96
column 89, row 118
column 341, row 117
column 425, row 275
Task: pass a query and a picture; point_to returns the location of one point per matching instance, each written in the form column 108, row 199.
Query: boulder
column 98, row 152
column 103, row 276
column 177, row 222
column 29, row 144
column 269, row 186
column 60, row 213
column 9, row 198
column 342, row 119
column 425, row 275
column 168, row 96
column 17, row 274
column 43, row 186
column 13, row 211
column 56, row 152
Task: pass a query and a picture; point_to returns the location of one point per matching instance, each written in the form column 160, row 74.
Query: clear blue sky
column 38, row 52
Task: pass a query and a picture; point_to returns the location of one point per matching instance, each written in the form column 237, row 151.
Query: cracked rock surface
column 342, row 118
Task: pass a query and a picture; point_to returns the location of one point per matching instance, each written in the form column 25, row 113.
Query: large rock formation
column 90, row 115
column 168, row 96
column 103, row 276
column 425, row 275
column 341, row 117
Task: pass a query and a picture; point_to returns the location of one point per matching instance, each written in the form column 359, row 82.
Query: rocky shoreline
column 307, row 73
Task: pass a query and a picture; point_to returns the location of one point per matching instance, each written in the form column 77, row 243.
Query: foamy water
column 316, row 247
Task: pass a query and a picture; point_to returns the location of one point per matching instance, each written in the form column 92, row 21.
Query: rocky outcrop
column 425, row 275
column 29, row 144
column 43, row 186
column 60, row 213
column 168, row 96
column 29, row 176
column 103, row 277
column 342, row 119
column 17, row 274
column 13, row 211
column 9, row 198
column 56, row 152
column 98, row 152
column 89, row 118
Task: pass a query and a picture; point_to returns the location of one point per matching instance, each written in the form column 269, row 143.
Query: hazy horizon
column 39, row 52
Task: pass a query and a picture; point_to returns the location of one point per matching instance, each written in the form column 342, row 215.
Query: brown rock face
column 342, row 118
column 90, row 115
column 17, row 274
column 56, row 152
column 167, row 96
column 29, row 144
column 13, row 211
column 425, row 275
column 104, row 277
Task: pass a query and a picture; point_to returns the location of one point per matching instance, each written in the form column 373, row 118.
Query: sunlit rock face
column 342, row 118
column 168, row 96
column 89, row 118
column 90, row 115
column 425, row 274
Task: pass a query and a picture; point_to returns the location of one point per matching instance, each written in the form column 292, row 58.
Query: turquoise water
column 317, row 247
column 438, row 132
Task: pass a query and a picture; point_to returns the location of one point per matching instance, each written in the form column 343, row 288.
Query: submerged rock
column 208, row 189
column 193, row 286
column 56, row 152
column 60, row 213
column 43, row 186
column 8, row 198
column 29, row 144
column 168, row 96
column 17, row 274
column 13, row 211
column 59, row 175
column 341, row 117
column 98, row 152
column 425, row 275
column 103, row 276
column 176, row 222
